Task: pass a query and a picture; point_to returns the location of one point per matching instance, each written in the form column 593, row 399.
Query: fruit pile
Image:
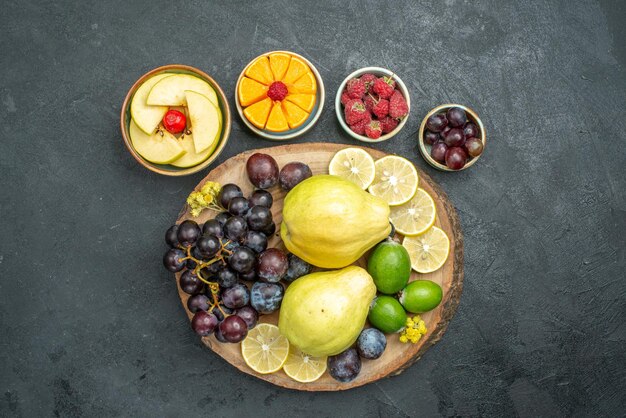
column 278, row 92
column 373, row 106
column 454, row 139
column 175, row 119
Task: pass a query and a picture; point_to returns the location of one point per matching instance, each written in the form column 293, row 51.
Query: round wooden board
column 397, row 357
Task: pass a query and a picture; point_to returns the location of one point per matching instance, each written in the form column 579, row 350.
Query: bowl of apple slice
column 175, row 120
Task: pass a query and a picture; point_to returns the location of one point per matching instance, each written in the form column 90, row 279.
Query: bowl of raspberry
column 451, row 137
column 372, row 104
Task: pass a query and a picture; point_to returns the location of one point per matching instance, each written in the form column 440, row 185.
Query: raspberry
column 355, row 111
column 359, row 127
column 368, row 79
column 381, row 108
column 373, row 129
column 398, row 108
column 355, row 88
column 277, row 91
column 345, row 98
column 370, row 101
column 388, row 124
column 384, row 87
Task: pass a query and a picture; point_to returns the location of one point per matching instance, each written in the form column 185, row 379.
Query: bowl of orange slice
column 280, row 95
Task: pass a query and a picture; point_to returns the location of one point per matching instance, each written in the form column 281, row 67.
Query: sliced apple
column 147, row 117
column 206, row 121
column 155, row 148
column 170, row 91
column 190, row 158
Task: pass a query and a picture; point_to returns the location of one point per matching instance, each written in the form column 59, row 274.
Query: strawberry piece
column 355, row 111
column 373, row 129
column 384, row 87
column 398, row 108
column 388, row 124
column 355, row 88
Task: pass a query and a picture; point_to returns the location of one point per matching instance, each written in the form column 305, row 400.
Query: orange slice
column 295, row 115
column 279, row 62
column 251, row 91
column 297, row 68
column 260, row 71
column 305, row 101
column 277, row 122
column 305, row 84
column 257, row 113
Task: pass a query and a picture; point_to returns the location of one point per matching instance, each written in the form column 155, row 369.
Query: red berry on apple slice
column 174, row 121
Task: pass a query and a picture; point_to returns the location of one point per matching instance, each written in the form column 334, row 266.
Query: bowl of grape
column 452, row 137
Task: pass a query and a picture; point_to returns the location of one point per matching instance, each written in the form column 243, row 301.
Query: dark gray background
column 90, row 322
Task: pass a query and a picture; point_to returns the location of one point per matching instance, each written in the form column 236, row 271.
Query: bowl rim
column 422, row 146
column 339, row 106
column 301, row 129
column 226, row 121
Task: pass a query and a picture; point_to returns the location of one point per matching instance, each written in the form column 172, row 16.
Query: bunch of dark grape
column 227, row 268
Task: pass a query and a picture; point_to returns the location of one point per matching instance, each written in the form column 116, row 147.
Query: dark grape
column 262, row 170
column 213, row 227
column 218, row 313
column 249, row 275
column 219, row 336
column 470, row 130
column 197, row 303
column 188, row 232
column 436, row 122
column 456, row 117
column 256, row 241
column 297, row 268
column 431, row 137
column 238, row 206
column 236, row 296
column 173, row 260
column 191, row 264
column 456, row 158
column 171, row 237
column 208, row 245
column 236, row 228
column 212, row 269
column 455, row 138
column 227, row 192
column 222, row 217
column 190, row 283
column 272, row 265
column 195, row 253
column 259, row 218
column 242, row 260
column 266, row 297
column 438, row 152
column 292, row 174
column 474, row 147
column 233, row 329
column 269, row 231
column 345, row 366
column 204, row 323
column 249, row 315
column 230, row 245
column 261, row 198
column 226, row 277
column 445, row 132
column 371, row 343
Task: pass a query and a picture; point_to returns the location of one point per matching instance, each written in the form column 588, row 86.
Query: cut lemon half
column 302, row 367
column 415, row 216
column 395, row 180
column 355, row 165
column 429, row 251
column 265, row 349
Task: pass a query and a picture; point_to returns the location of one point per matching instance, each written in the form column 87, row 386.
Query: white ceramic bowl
column 291, row 133
column 377, row 71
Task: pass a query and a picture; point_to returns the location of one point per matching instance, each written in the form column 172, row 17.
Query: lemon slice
column 355, row 165
column 265, row 349
column 415, row 216
column 395, row 180
column 428, row 251
column 303, row 367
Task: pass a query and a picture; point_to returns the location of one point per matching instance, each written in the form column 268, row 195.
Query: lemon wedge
column 395, row 180
column 303, row 367
column 355, row 165
column 429, row 251
column 415, row 216
column 265, row 349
